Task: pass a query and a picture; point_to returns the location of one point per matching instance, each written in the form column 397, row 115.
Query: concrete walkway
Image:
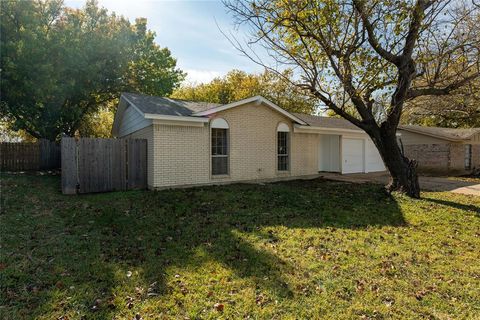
column 426, row 183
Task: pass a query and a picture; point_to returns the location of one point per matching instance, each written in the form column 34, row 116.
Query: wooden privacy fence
column 100, row 165
column 24, row 156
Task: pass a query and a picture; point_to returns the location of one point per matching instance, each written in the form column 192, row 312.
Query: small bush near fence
column 100, row 165
column 24, row 156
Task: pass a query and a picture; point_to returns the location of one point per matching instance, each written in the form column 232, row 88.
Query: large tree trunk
column 403, row 171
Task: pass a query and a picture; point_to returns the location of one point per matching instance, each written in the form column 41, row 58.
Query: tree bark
column 403, row 171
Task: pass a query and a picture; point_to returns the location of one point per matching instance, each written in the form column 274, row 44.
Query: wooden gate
column 100, row 165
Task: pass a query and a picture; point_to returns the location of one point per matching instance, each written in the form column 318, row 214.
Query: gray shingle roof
column 167, row 106
column 447, row 133
column 176, row 107
column 326, row 122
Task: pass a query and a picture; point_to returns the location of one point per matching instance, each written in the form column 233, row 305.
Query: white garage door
column 373, row 158
column 352, row 155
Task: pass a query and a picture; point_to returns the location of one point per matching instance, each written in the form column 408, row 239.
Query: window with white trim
column 283, row 147
column 220, row 148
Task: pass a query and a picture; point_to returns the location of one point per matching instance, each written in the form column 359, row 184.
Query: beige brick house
column 441, row 150
column 195, row 143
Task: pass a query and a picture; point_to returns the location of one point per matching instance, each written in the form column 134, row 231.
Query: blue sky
column 189, row 29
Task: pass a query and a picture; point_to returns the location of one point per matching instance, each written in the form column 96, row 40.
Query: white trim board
column 321, row 130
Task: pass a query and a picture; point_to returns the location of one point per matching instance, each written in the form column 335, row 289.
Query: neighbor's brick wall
column 182, row 153
column 430, row 157
column 457, row 157
column 442, row 158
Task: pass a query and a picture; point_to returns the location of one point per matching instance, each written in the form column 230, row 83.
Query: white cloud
column 195, row 76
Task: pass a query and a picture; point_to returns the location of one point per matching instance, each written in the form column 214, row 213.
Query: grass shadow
column 83, row 247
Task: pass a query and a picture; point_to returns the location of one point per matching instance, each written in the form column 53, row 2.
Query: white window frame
column 282, row 127
column 219, row 123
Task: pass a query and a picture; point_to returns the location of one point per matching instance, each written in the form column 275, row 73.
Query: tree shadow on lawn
column 103, row 236
column 455, row 205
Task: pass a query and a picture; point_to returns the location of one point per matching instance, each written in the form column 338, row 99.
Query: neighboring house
column 195, row 143
column 441, row 150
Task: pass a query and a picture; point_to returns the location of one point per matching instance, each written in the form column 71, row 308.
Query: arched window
column 283, row 147
column 220, row 148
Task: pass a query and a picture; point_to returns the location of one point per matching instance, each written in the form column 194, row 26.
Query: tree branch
column 414, row 93
column 372, row 39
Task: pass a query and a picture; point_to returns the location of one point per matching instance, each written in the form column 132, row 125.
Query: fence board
column 23, row 156
column 104, row 165
column 137, row 171
column 69, row 166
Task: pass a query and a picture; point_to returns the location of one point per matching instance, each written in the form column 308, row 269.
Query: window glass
column 219, row 151
column 282, row 151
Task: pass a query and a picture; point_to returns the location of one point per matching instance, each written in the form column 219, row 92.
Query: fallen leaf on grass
column 360, row 285
column 129, row 301
column 219, row 307
column 388, row 301
column 152, row 289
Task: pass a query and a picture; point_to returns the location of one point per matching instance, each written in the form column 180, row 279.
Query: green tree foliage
column 152, row 70
column 60, row 65
column 99, row 123
column 461, row 109
column 237, row 85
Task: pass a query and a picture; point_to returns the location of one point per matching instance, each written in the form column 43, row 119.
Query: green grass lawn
column 293, row 250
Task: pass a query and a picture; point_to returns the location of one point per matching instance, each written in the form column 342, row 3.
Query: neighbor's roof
column 327, row 122
column 166, row 106
column 442, row 133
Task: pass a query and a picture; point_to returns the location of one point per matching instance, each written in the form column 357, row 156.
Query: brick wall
column 182, row 153
column 457, row 158
column 442, row 158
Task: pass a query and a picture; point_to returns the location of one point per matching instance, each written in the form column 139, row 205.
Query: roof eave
column 175, row 118
column 441, row 137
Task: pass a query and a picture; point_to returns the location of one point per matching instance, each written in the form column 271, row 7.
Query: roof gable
column 255, row 99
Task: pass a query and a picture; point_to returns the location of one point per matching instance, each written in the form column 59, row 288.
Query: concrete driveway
column 426, row 183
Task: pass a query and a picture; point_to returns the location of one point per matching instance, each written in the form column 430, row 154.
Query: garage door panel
column 374, row 161
column 352, row 155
